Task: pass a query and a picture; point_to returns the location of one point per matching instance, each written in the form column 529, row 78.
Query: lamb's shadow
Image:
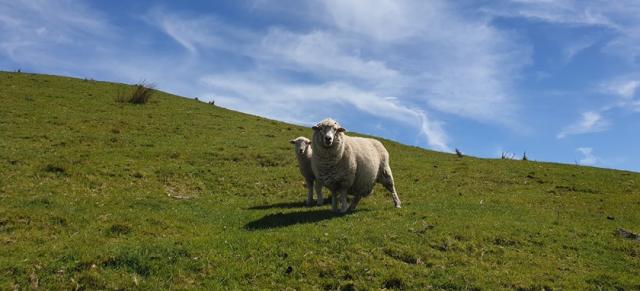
column 278, row 220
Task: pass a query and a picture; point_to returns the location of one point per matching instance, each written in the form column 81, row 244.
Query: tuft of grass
column 140, row 94
column 55, row 169
column 118, row 229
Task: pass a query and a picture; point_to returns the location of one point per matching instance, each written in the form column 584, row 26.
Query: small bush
column 140, row 95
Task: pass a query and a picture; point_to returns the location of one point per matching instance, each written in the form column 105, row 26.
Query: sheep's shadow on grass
column 279, row 220
column 288, row 205
column 283, row 205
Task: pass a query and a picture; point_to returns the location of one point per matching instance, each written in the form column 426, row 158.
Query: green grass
column 177, row 193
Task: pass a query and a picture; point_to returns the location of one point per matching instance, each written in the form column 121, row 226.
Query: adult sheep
column 303, row 153
column 349, row 165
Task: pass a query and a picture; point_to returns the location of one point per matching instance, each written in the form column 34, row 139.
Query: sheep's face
column 328, row 131
column 301, row 144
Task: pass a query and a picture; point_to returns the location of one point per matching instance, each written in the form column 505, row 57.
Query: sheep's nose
column 327, row 139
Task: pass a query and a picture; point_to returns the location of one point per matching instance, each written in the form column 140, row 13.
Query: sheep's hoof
column 398, row 206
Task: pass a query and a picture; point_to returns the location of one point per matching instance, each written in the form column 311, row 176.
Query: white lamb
column 303, row 153
column 349, row 165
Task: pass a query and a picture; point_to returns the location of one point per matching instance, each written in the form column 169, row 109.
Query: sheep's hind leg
column 318, row 187
column 388, row 183
column 309, row 192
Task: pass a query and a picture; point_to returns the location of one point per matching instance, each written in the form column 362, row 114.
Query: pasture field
column 177, row 193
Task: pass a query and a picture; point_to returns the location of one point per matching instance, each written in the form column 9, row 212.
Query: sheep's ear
column 341, row 129
column 293, row 141
column 315, row 127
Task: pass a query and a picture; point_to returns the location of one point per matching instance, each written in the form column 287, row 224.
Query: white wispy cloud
column 197, row 32
column 382, row 20
column 457, row 65
column 572, row 12
column 575, row 48
column 590, row 121
column 619, row 17
column 324, row 54
column 619, row 35
column 625, row 88
column 28, row 27
column 588, row 158
column 71, row 38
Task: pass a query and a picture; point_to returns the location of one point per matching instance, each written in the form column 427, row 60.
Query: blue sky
column 557, row 79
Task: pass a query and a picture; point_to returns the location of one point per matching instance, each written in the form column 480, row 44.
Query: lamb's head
column 302, row 144
column 328, row 133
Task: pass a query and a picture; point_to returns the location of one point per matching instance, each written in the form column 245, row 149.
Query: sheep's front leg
column 309, row 192
column 343, row 201
column 318, row 187
column 334, row 201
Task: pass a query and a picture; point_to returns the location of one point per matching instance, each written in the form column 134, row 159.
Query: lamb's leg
column 388, row 183
column 318, row 187
column 354, row 203
column 309, row 192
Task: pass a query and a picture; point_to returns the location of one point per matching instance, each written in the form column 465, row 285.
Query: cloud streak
column 197, row 33
column 625, row 88
column 589, row 122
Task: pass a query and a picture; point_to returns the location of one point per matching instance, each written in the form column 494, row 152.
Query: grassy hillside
column 177, row 193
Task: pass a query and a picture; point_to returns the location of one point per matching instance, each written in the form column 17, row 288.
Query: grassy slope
column 84, row 185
